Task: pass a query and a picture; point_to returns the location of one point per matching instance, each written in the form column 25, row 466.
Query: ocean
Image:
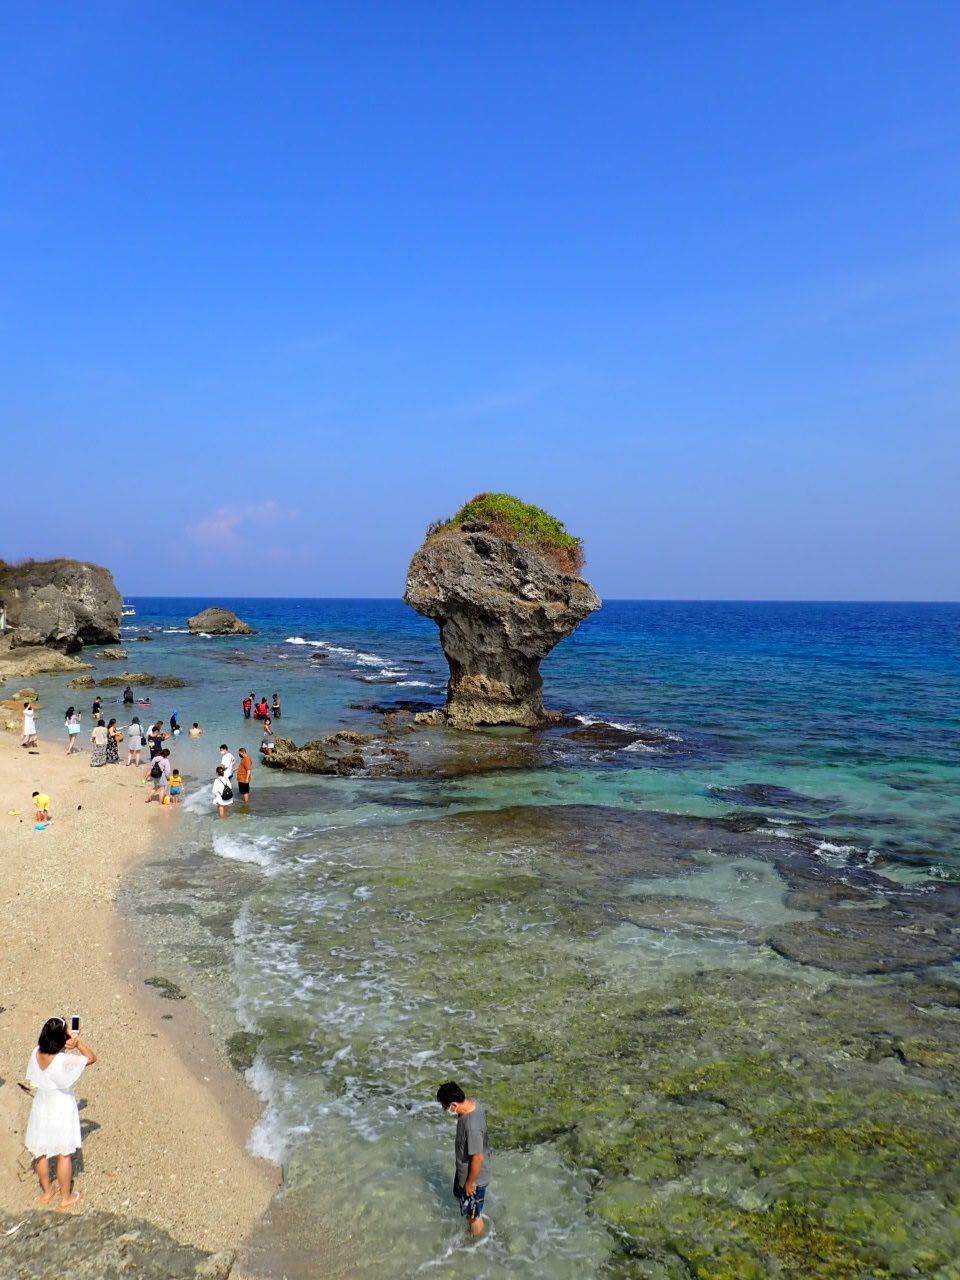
column 695, row 949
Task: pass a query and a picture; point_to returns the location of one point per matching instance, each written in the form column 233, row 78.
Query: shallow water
column 704, row 981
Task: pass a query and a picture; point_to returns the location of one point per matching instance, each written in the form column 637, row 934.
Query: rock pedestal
column 501, row 607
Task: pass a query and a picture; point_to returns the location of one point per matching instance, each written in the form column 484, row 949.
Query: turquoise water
column 702, row 972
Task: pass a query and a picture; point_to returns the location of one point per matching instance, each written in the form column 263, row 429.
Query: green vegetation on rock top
column 508, row 517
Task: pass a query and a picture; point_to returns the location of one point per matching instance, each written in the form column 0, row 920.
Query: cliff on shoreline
column 59, row 604
column 502, row 581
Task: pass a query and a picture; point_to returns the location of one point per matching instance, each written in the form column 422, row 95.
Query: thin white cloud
column 224, row 527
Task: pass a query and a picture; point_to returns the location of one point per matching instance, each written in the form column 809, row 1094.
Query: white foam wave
column 199, row 801
column 628, row 726
column 176, row 631
column 836, row 855
column 416, row 684
column 242, row 848
column 316, row 644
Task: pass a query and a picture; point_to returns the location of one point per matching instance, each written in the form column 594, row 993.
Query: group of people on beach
column 108, row 737
column 60, row 1057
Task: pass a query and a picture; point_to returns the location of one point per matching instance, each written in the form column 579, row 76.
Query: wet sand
column 164, row 1119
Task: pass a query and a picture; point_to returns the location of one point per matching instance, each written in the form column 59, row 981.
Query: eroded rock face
column 62, row 604
column 501, row 607
column 219, row 622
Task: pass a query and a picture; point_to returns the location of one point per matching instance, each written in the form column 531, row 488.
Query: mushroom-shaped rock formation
column 219, row 622
column 502, row 581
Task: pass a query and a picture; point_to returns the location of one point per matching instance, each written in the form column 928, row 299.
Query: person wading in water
column 471, row 1153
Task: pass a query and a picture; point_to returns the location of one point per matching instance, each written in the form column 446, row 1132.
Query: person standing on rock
column 244, row 774
column 267, row 743
column 29, row 726
column 471, row 1153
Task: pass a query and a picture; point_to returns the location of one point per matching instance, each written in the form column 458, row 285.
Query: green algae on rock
column 734, row 1114
column 501, row 580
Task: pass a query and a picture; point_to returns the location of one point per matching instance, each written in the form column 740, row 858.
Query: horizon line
column 607, row 600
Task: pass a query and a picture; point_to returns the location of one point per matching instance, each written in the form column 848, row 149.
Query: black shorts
column 243, row 788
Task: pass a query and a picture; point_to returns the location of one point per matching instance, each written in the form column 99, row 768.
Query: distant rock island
column 502, row 581
column 51, row 609
column 219, row 622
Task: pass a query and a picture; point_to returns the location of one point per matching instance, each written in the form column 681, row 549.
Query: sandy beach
column 165, row 1121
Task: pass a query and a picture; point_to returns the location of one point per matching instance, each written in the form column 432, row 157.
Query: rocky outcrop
column 501, row 606
column 142, row 679
column 91, row 1246
column 62, row 604
column 316, row 756
column 112, row 655
column 35, row 661
column 219, row 622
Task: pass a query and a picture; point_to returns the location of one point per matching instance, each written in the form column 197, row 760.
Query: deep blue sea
column 676, row 956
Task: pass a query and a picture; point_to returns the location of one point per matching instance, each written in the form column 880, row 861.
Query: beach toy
column 13, row 813
column 166, row 800
column 40, row 827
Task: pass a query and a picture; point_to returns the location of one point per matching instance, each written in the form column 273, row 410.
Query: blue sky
column 281, row 283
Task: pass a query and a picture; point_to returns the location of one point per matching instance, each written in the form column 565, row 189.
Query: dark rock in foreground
column 219, row 622
column 501, row 607
column 100, row 1246
column 63, row 604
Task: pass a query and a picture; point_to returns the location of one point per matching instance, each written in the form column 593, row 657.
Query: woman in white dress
column 29, row 725
column 53, row 1129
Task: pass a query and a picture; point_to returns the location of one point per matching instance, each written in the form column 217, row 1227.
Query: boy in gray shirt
column 471, row 1152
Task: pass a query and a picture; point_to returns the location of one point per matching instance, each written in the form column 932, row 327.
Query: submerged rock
column 501, row 605
column 61, row 604
column 92, row 1246
column 112, row 655
column 768, row 795
column 83, row 682
column 219, row 622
